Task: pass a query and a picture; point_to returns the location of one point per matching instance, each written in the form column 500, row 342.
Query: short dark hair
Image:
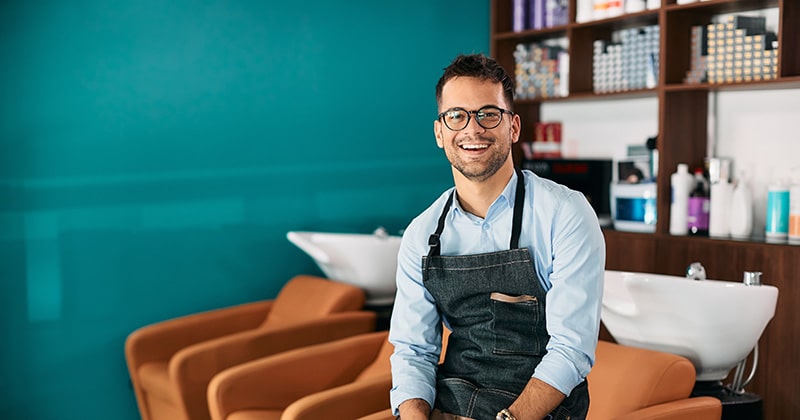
column 481, row 67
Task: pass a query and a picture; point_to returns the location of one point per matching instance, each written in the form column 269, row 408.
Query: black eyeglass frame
column 478, row 119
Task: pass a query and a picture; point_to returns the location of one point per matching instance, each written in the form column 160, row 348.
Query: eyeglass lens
column 458, row 118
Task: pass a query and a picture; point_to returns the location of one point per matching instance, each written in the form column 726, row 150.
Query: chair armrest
column 192, row 368
column 277, row 381
column 161, row 340
column 380, row 415
column 349, row 401
column 698, row 408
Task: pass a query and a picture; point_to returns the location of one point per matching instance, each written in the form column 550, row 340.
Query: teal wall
column 153, row 154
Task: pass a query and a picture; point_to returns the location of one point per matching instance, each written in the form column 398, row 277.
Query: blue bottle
column 777, row 226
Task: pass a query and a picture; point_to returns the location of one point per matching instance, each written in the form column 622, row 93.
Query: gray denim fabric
column 495, row 306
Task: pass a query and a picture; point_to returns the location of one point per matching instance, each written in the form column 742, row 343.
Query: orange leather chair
column 344, row 379
column 269, row 387
column 172, row 362
column 628, row 383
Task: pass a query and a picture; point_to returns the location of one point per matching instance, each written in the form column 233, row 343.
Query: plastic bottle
column 719, row 214
column 777, row 226
column 741, row 210
column 697, row 217
column 794, row 208
column 681, row 183
column 635, row 6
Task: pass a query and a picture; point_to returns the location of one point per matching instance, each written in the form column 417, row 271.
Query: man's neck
column 476, row 196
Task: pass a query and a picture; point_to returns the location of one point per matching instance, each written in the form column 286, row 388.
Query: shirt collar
column 507, row 196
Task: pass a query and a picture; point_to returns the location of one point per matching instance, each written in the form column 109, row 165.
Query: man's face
column 476, row 152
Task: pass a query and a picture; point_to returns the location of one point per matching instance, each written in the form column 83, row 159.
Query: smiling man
column 509, row 262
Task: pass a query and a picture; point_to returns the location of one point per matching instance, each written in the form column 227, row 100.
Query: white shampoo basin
column 366, row 261
column 715, row 324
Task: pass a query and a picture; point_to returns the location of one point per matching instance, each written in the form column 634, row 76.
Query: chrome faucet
column 752, row 278
column 696, row 271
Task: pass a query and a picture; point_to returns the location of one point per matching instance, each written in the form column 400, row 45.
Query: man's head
column 475, row 125
column 480, row 67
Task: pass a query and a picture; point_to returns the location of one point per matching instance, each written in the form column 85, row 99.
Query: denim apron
column 495, row 305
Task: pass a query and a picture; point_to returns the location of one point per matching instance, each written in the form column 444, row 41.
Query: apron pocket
column 514, row 324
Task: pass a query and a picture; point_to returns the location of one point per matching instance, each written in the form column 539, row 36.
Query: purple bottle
column 697, row 216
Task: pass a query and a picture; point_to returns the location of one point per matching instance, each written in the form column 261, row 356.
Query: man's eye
column 455, row 116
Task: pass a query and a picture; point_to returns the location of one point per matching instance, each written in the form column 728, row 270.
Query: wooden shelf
column 782, row 83
column 682, row 137
column 628, row 20
column 719, row 7
column 754, row 241
column 589, row 96
column 520, row 36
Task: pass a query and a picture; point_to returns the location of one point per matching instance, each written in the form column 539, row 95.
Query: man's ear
column 437, row 132
column 516, row 126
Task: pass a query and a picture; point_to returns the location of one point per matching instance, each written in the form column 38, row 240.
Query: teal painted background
column 153, row 155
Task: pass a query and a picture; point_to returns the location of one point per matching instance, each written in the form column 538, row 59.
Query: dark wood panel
column 789, row 39
column 529, row 115
column 780, row 369
column 682, row 138
column 500, row 19
column 629, row 251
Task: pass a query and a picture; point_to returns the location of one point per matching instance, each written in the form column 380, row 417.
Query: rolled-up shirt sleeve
column 416, row 328
column 575, row 280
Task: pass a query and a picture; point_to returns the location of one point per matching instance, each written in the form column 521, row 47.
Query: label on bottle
column 697, row 217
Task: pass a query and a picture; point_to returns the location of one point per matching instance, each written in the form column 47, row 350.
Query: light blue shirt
column 567, row 248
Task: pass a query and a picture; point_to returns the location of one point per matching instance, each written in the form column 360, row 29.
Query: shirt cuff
column 397, row 397
column 558, row 372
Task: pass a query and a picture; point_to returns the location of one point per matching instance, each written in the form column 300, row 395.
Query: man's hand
column 537, row 400
column 414, row 409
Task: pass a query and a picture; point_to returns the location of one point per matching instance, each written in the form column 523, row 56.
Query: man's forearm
column 414, row 409
column 537, row 400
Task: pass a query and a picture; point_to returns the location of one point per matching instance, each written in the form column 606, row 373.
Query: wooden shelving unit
column 682, row 138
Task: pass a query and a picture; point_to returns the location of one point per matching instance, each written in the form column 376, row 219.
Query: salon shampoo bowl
column 368, row 261
column 715, row 324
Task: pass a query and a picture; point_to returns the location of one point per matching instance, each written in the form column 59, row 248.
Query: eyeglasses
column 487, row 117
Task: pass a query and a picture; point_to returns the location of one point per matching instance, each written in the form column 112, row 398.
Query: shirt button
column 486, row 226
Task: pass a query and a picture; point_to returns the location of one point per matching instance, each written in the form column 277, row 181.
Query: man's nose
column 473, row 126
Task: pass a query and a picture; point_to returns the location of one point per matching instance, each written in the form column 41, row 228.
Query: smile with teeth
column 474, row 146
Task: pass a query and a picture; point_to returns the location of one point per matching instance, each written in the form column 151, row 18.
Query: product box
column 633, row 207
column 546, row 142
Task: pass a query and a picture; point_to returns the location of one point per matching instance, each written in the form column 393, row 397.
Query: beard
column 483, row 167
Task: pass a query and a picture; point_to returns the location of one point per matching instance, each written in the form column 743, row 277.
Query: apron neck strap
column 434, row 242
column 519, row 201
